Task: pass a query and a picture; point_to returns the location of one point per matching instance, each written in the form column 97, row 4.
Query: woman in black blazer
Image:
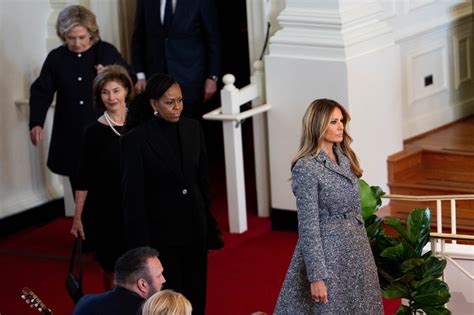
column 166, row 188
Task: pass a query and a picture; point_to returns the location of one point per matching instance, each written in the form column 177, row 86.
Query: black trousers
column 185, row 271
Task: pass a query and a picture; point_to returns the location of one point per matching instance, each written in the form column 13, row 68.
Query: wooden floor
column 455, row 137
column 440, row 162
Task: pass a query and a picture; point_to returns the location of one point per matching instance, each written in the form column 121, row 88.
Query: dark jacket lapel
column 161, row 148
column 342, row 169
column 186, row 148
column 152, row 11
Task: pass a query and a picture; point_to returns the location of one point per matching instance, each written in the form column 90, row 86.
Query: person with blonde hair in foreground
column 332, row 270
column 167, row 302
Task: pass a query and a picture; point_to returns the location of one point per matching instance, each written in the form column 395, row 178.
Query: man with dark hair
column 138, row 275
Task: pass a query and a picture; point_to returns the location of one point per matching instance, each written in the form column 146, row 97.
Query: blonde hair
column 167, row 302
column 76, row 15
column 315, row 122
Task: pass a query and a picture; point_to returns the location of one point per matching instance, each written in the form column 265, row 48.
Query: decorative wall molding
column 462, row 46
column 46, row 185
column 459, row 14
column 17, row 205
column 414, row 77
column 434, row 119
column 338, row 32
column 417, row 4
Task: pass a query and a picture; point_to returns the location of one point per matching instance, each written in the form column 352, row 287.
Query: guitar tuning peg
column 36, row 304
column 23, row 297
column 40, row 309
column 31, row 305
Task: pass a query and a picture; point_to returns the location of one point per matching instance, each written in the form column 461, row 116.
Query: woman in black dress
column 98, row 185
column 68, row 72
column 166, row 189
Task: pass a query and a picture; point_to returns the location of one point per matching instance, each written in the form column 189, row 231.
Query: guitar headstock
column 34, row 301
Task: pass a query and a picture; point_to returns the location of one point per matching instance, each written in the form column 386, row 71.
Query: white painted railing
column 444, row 253
column 232, row 98
column 439, row 209
column 438, row 240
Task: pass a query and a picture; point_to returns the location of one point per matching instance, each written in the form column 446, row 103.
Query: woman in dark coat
column 68, row 71
column 166, row 189
column 98, row 189
column 332, row 270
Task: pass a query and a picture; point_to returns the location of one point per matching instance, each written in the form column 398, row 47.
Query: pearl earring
column 155, row 113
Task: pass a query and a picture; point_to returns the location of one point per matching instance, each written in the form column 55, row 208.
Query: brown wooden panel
column 448, row 161
column 440, row 162
column 404, row 164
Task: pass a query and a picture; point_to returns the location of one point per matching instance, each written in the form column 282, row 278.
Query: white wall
column 383, row 85
column 434, row 38
column 460, row 286
column 374, row 104
column 23, row 31
column 337, row 50
column 290, row 88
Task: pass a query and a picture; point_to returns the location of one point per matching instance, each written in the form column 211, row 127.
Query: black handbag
column 73, row 282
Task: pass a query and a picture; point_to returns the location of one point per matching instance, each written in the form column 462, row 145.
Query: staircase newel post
column 234, row 164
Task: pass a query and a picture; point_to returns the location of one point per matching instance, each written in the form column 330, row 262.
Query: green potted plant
column 404, row 270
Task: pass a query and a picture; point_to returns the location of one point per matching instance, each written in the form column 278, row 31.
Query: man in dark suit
column 138, row 275
column 180, row 38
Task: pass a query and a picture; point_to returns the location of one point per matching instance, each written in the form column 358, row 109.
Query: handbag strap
column 76, row 250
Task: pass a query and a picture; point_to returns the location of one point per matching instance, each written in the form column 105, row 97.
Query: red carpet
column 244, row 277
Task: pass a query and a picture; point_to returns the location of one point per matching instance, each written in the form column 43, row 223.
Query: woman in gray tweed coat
column 332, row 270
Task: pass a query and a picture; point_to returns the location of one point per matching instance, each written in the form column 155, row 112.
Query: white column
column 258, row 12
column 337, row 49
column 234, row 164
column 260, row 144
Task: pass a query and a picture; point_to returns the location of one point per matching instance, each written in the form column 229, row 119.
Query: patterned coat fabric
column 332, row 243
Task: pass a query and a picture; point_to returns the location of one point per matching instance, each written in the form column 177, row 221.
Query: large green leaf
column 393, row 253
column 427, row 254
column 433, row 268
column 416, row 284
column 373, row 226
column 418, row 227
column 432, row 293
column 370, row 200
column 409, row 251
column 418, row 223
column 411, row 264
column 397, row 226
column 437, row 311
column 403, row 310
column 405, row 279
column 393, row 293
